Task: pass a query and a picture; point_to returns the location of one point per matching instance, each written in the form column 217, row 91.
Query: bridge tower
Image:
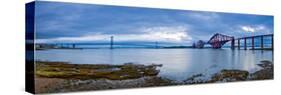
column 156, row 45
column 111, row 42
column 73, row 46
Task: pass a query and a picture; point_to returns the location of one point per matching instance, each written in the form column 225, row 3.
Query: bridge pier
column 245, row 43
column 253, row 43
column 261, row 42
column 272, row 42
column 233, row 43
column 238, row 44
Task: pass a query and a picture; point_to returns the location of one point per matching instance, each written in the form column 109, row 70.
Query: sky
column 78, row 23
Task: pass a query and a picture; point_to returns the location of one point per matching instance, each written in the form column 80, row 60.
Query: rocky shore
column 232, row 75
column 96, row 71
column 70, row 85
column 63, row 77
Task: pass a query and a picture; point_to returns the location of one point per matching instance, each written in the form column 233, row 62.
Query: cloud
column 59, row 22
column 248, row 29
column 206, row 16
column 176, row 34
column 254, row 28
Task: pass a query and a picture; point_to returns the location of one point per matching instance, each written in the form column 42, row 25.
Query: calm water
column 178, row 64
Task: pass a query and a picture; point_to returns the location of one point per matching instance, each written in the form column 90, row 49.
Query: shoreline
column 57, row 85
column 73, row 80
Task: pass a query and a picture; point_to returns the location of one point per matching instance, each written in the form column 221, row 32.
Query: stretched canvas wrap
column 82, row 47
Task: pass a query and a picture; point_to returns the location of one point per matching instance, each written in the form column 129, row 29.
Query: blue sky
column 70, row 22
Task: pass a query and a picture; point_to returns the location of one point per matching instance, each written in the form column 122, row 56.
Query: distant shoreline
column 266, row 49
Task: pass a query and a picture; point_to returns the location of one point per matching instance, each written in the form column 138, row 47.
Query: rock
column 95, row 71
column 194, row 79
column 266, row 64
column 265, row 73
column 230, row 75
column 70, row 85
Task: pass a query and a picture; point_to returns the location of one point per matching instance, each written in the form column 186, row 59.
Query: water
column 178, row 64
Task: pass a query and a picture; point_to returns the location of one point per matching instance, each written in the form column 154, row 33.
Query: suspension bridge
column 111, row 44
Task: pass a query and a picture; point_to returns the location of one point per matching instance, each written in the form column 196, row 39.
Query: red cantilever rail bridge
column 218, row 40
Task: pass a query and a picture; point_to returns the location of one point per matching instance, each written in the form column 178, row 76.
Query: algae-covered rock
column 195, row 79
column 230, row 75
column 265, row 73
column 265, row 64
column 94, row 71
